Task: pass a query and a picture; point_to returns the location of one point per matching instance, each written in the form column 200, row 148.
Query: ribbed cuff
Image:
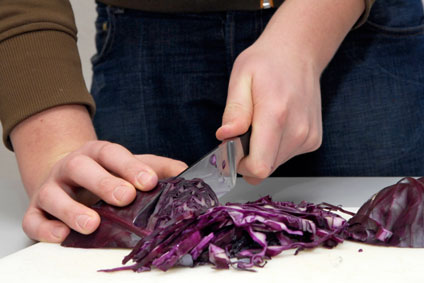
column 39, row 70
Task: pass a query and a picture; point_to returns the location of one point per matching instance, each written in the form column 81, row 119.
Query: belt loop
column 266, row 4
column 115, row 10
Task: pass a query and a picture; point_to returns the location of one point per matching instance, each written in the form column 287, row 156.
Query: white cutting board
column 51, row 263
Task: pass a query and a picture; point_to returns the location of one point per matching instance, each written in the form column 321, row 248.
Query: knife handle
column 245, row 141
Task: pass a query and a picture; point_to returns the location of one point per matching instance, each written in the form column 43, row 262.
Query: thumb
column 239, row 107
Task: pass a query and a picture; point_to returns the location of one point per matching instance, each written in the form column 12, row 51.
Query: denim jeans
column 160, row 84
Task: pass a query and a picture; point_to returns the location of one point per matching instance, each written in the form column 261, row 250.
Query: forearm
column 44, row 138
column 314, row 28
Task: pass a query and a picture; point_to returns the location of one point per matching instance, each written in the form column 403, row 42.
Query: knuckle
column 106, row 185
column 69, row 215
column 314, row 141
column 37, row 232
column 239, row 113
column 74, row 163
column 234, row 107
column 42, row 233
column 105, row 149
column 91, row 143
column 132, row 168
column 261, row 171
column 44, row 195
column 301, row 133
column 240, row 60
column 281, row 116
column 26, row 223
column 94, row 145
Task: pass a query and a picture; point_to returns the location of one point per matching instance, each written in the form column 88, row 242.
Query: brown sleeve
column 364, row 17
column 39, row 62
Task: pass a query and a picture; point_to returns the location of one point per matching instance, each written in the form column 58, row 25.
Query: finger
column 267, row 127
column 80, row 170
column 121, row 161
column 163, row 166
column 239, row 109
column 53, row 199
column 39, row 228
column 252, row 180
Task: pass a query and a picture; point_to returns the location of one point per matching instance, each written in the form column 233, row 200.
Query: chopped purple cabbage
column 238, row 235
column 187, row 226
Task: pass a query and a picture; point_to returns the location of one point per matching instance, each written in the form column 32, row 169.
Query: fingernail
column 120, row 193
column 59, row 232
column 84, row 222
column 145, row 179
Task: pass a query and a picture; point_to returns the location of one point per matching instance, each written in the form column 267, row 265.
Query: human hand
column 274, row 84
column 278, row 93
column 98, row 170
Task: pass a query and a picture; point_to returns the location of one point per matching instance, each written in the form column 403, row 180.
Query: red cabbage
column 392, row 217
column 185, row 225
column 238, row 235
column 123, row 227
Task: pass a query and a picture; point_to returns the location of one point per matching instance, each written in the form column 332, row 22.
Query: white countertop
column 349, row 192
column 51, row 263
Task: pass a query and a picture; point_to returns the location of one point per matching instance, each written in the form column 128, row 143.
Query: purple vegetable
column 123, row 226
column 218, row 257
column 187, row 226
column 238, row 235
column 392, row 217
column 116, row 228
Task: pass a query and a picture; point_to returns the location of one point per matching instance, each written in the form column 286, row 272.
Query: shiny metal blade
column 218, row 168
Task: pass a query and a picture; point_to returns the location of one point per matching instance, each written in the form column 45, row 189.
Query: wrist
column 312, row 29
column 43, row 139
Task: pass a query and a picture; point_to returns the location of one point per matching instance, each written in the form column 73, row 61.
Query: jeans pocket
column 396, row 31
column 105, row 32
column 397, row 17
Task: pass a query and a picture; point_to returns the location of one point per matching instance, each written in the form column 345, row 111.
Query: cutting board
column 48, row 263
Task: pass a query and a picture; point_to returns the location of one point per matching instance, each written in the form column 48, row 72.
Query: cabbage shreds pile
column 181, row 222
column 238, row 235
column 186, row 225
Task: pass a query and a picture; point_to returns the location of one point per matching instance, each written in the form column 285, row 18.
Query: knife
column 218, row 169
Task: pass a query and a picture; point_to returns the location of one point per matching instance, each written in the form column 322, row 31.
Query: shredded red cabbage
column 238, row 235
column 186, row 225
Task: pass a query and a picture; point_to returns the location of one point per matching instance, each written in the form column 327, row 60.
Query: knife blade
column 218, row 168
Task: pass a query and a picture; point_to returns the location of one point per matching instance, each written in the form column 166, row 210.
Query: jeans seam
column 229, row 40
column 110, row 37
column 142, row 87
column 384, row 70
column 396, row 31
